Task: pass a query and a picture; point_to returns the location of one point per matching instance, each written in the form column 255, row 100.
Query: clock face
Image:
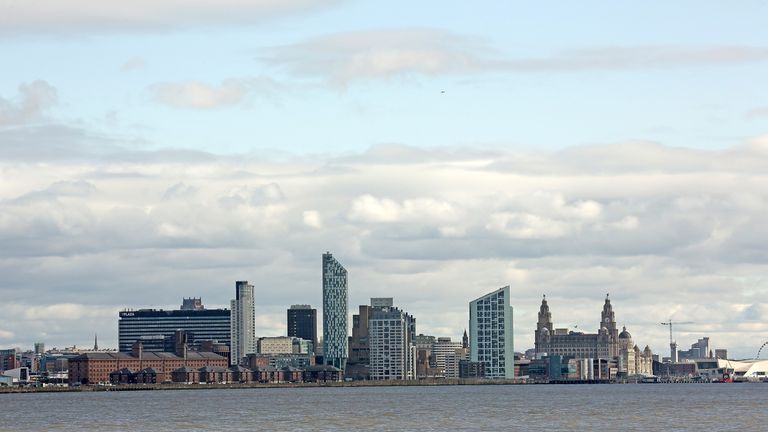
column 607, row 319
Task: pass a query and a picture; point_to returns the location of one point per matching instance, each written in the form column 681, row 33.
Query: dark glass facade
column 302, row 323
column 156, row 328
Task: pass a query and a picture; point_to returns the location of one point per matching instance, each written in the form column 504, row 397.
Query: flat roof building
column 155, row 328
column 491, row 336
column 302, row 323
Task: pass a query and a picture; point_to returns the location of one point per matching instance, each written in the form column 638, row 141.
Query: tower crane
column 672, row 343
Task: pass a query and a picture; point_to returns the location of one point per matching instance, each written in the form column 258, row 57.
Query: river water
column 652, row 407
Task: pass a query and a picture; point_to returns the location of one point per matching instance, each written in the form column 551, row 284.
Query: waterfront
column 555, row 407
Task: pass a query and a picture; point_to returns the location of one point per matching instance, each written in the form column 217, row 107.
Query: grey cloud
column 71, row 188
column 340, row 59
column 199, row 95
column 666, row 231
column 31, row 103
column 86, row 16
column 179, row 191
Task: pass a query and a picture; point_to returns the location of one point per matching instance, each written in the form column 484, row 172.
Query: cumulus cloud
column 88, row 16
column 642, row 221
column 343, row 58
column 30, row 104
column 199, row 95
column 312, row 219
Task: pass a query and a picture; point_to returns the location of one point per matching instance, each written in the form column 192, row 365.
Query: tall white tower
column 243, row 322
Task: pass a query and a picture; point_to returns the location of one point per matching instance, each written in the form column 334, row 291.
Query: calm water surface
column 655, row 407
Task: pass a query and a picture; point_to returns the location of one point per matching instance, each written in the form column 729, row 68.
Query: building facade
column 156, row 328
column 607, row 344
column 392, row 351
column 243, row 327
column 302, row 323
column 335, row 306
column 94, row 368
column 491, row 334
column 441, row 349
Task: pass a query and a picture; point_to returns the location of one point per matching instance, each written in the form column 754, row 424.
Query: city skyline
column 150, row 152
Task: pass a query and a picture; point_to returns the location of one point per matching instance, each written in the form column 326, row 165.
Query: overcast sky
column 151, row 150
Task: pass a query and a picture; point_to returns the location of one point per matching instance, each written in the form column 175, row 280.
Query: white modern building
column 391, row 333
column 491, row 335
column 243, row 322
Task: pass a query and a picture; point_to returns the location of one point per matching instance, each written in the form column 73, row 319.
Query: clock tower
column 608, row 321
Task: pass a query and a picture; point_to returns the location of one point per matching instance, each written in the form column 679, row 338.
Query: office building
column 392, row 350
column 302, row 323
column 443, row 347
column 8, row 359
column 490, row 333
column 243, row 326
column 155, row 328
column 335, row 305
column 699, row 350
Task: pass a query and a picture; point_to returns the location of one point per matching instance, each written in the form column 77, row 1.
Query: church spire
column 95, row 341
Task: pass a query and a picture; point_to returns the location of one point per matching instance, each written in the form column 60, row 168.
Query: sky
column 151, row 151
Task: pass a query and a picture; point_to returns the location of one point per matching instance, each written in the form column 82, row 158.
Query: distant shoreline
column 178, row 386
column 383, row 383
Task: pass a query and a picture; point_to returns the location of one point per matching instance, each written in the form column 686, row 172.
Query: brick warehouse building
column 93, row 368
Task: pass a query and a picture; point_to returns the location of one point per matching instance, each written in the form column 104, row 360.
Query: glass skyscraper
column 490, row 329
column 335, row 306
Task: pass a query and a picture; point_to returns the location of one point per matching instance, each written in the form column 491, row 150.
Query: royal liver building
column 607, row 343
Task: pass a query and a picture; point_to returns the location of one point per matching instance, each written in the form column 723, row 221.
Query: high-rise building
column 155, row 328
column 490, row 332
column 302, row 323
column 243, row 322
column 359, row 349
column 699, row 350
column 9, row 359
column 335, row 305
column 391, row 336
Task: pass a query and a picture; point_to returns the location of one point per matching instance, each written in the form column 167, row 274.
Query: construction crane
column 672, row 343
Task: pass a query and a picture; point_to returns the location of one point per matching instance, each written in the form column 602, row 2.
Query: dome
column 625, row 334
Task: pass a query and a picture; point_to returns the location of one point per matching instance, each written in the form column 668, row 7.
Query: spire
column 465, row 340
column 95, row 341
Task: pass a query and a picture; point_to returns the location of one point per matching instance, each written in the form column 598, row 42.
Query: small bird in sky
column 442, row 91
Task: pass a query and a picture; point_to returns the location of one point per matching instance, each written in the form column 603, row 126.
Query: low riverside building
column 279, row 361
column 323, row 374
column 96, row 367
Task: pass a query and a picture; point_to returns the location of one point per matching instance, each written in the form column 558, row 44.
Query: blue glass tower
column 335, row 306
